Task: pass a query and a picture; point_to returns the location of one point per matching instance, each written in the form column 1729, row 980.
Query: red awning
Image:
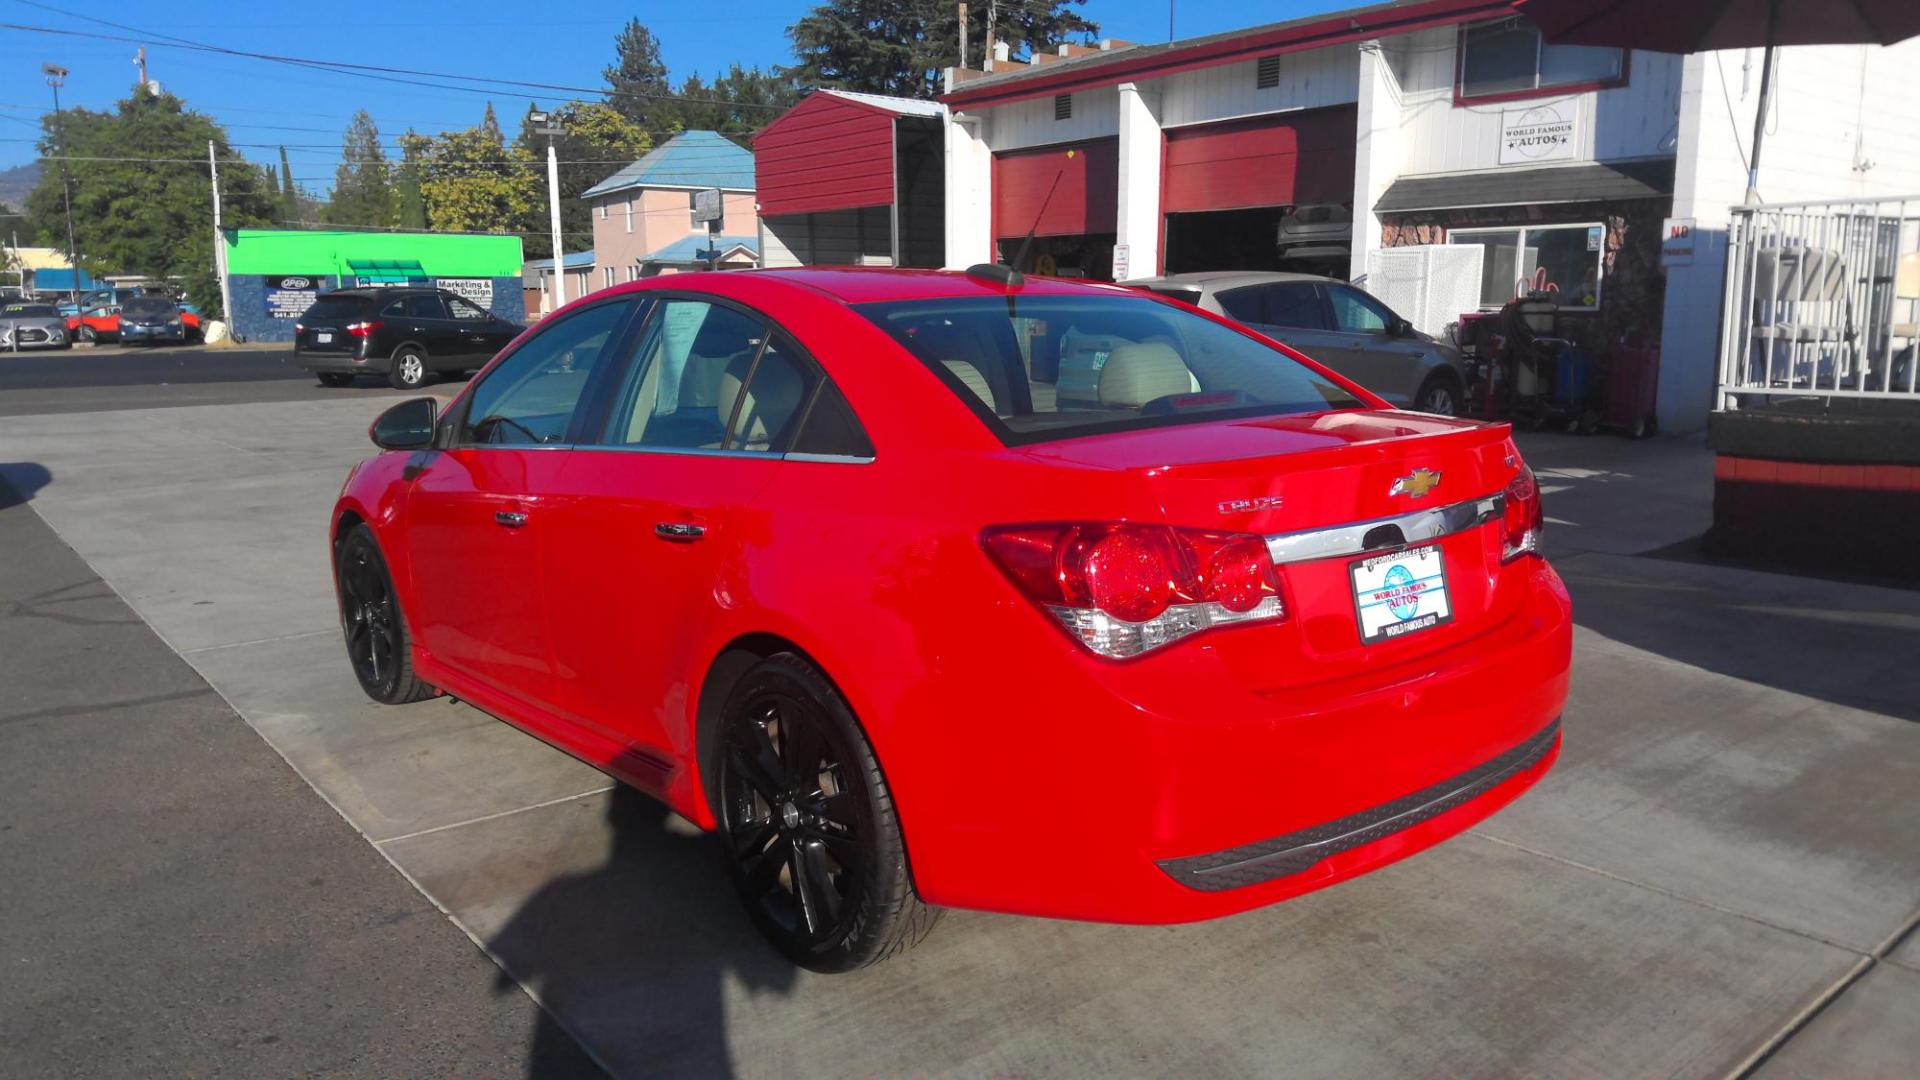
column 1083, row 178
column 1285, row 160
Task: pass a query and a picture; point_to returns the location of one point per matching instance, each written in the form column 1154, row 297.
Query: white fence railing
column 1822, row 299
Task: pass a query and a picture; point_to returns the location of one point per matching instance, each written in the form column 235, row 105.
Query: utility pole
column 963, row 35
column 140, row 61
column 56, row 78
column 220, row 246
column 993, row 16
column 545, row 124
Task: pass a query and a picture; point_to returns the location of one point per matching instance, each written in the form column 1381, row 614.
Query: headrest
column 1136, row 374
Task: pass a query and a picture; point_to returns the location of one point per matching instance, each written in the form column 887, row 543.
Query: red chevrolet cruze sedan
column 939, row 589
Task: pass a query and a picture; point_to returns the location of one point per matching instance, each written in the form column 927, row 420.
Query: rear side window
column 339, row 307
column 1123, row 363
column 529, row 397
column 767, row 406
column 832, row 428
column 1246, row 304
column 1296, row 306
column 694, row 358
column 425, row 306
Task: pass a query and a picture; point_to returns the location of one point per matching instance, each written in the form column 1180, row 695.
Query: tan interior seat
column 1136, row 374
column 973, row 379
column 766, row 411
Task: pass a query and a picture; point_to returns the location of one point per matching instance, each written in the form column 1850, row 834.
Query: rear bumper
column 1169, row 791
column 339, row 362
column 1297, row 852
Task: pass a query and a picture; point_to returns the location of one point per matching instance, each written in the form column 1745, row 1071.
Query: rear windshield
column 338, row 307
column 149, row 305
column 1054, row 367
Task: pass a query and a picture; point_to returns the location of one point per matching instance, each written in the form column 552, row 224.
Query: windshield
column 1054, row 367
column 149, row 305
column 30, row 311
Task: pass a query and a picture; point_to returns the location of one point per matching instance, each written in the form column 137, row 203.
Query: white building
column 1441, row 121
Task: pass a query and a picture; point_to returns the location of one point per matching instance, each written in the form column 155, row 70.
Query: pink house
column 643, row 216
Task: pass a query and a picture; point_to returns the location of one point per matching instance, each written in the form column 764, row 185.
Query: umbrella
column 1685, row 26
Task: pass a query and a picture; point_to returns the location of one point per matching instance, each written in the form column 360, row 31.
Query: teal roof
column 691, row 159
column 693, row 249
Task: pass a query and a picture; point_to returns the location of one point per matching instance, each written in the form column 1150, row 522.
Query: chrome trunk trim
column 1384, row 534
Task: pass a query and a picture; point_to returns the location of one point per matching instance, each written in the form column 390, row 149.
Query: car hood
column 43, row 322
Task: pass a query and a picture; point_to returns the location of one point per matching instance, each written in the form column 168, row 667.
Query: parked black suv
column 402, row 333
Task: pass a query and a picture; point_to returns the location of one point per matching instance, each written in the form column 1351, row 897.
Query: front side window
column 1354, row 312
column 1565, row 260
column 1508, row 57
column 694, row 358
column 1053, row 367
column 529, row 397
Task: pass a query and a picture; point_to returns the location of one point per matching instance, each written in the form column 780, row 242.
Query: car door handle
column 512, row 519
column 679, row 530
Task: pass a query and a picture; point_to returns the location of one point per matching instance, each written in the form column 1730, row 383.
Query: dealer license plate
column 1400, row 593
column 322, row 338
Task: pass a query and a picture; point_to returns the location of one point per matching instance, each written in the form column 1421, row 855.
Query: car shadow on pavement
column 1846, row 644
column 20, row 481
column 635, row 956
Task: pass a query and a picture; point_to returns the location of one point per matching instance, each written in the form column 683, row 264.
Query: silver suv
column 1337, row 324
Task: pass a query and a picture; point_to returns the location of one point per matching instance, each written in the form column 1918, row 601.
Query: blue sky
column 271, row 104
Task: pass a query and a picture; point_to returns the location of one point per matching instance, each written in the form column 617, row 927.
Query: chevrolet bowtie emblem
column 1416, row 483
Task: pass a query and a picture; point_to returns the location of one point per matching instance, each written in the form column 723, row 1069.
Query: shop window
column 1266, row 73
column 1564, row 260
column 1508, row 58
column 1063, row 106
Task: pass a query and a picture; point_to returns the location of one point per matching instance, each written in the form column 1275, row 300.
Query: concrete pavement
column 1725, row 847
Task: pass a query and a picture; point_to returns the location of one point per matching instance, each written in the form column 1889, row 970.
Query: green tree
column 740, row 102
column 637, row 82
column 899, row 47
column 149, row 210
column 410, row 204
column 362, row 185
column 471, row 181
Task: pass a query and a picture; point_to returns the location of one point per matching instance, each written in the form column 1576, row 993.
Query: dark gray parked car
column 1337, row 324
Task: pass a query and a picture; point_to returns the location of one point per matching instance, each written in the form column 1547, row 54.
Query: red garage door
column 1083, row 179
column 1291, row 159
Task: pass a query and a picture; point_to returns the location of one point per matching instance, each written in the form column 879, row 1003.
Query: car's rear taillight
column 1122, row 589
column 363, row 329
column 299, row 328
column 1524, row 518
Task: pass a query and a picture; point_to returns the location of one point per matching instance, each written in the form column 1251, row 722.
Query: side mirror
column 1399, row 327
column 406, row 426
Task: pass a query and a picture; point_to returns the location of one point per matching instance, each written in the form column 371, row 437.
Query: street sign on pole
column 708, row 208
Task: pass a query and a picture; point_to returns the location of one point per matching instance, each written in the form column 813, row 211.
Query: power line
column 372, row 71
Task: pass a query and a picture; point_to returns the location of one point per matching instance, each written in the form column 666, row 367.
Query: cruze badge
column 1416, row 483
column 1248, row 506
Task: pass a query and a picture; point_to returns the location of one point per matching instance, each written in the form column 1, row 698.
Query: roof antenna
column 1010, row 273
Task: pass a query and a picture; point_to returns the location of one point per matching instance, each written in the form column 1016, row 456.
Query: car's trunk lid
column 1301, row 477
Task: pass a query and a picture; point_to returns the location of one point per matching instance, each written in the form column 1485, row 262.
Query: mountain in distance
column 16, row 183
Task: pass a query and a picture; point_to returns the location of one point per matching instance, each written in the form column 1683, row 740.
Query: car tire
column 409, row 370
column 1440, row 395
column 335, row 378
column 88, row 335
column 812, row 837
column 378, row 644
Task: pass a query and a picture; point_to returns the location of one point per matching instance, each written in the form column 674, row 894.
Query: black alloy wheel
column 377, row 641
column 811, row 833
